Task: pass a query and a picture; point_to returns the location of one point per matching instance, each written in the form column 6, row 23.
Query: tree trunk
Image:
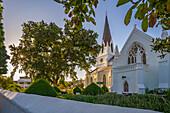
column 55, row 81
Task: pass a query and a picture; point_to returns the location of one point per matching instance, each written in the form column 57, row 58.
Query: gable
column 136, row 36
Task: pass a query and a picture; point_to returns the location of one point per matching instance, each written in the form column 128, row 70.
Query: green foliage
column 41, row 87
column 5, row 82
column 150, row 12
column 57, row 89
column 161, row 45
column 158, row 12
column 61, row 86
column 3, row 52
column 55, row 49
column 76, row 90
column 150, row 102
column 121, row 2
column 93, row 89
column 105, row 89
column 69, row 91
column 61, row 81
column 167, row 93
column 80, row 10
column 15, row 87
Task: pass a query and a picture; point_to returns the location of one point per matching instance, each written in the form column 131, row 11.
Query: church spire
column 106, row 35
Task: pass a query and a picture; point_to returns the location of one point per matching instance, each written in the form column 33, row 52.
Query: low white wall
column 9, row 106
column 13, row 102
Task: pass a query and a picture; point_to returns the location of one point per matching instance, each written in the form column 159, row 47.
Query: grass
column 150, row 102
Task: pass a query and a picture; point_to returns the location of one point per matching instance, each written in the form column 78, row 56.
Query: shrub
column 61, row 86
column 105, row 89
column 70, row 91
column 15, row 87
column 93, row 89
column 76, row 90
column 41, row 87
column 167, row 93
column 57, row 89
column 141, row 101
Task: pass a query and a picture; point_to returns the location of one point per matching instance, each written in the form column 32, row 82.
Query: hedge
column 105, row 89
column 93, row 89
column 57, row 89
column 76, row 90
column 140, row 101
column 41, row 87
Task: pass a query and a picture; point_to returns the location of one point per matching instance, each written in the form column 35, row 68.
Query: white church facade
column 132, row 69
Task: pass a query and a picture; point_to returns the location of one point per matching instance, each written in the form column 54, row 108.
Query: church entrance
column 126, row 86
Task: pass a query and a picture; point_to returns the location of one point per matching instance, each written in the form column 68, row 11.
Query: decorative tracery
column 133, row 51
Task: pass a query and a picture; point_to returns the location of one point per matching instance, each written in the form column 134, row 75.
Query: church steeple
column 106, row 35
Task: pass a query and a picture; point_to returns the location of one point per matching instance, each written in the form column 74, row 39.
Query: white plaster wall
column 164, row 72
column 119, row 82
column 151, row 57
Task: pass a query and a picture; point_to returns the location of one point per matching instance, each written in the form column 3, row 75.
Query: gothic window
column 126, row 86
column 104, row 80
column 112, row 47
column 102, row 48
column 91, row 79
column 144, row 58
column 132, row 53
column 128, row 60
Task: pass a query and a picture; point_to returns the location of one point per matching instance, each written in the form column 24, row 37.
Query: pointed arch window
column 112, row 47
column 91, row 79
column 104, row 80
column 102, row 48
column 132, row 53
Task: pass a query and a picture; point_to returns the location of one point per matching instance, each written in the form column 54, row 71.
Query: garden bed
column 150, row 102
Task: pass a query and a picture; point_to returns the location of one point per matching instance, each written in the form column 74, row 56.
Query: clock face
column 101, row 60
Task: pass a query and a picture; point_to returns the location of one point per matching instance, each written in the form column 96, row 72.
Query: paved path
column 41, row 104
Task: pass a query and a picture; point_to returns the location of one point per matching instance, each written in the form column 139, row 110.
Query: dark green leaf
column 121, row 2
column 128, row 16
column 145, row 23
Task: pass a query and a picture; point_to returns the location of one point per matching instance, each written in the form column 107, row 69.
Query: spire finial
column 106, row 13
column 134, row 25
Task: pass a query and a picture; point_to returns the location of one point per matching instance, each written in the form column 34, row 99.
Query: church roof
column 111, row 58
column 106, row 35
column 101, row 69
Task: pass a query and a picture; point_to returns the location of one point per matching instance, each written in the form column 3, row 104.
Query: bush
column 41, row 87
column 167, row 93
column 76, row 90
column 105, row 89
column 69, row 91
column 15, row 87
column 140, row 101
column 61, row 86
column 93, row 89
column 57, row 89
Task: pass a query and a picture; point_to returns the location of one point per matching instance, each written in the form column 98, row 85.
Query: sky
column 16, row 12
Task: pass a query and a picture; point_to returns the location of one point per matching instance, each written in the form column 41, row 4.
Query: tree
column 5, row 82
column 61, row 81
column 50, row 52
column 150, row 12
column 3, row 52
column 80, row 83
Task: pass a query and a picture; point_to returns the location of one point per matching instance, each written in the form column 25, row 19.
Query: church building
column 101, row 75
column 132, row 69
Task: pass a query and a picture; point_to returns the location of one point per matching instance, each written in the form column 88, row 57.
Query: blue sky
column 18, row 11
